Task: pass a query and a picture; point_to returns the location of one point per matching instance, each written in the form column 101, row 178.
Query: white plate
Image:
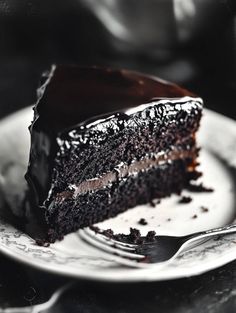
column 75, row 258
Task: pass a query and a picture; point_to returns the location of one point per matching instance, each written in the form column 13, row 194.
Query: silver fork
column 161, row 251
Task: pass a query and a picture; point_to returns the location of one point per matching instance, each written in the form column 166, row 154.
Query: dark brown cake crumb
column 199, row 188
column 169, row 219
column 108, row 232
column 204, row 209
column 95, row 229
column 52, row 234
column 152, row 203
column 150, row 237
column 134, row 237
column 194, row 216
column 185, row 199
column 42, row 243
column 142, row 221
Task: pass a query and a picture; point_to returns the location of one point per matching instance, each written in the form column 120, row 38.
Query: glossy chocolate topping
column 72, row 95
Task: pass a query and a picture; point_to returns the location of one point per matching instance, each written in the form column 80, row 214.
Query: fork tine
column 111, row 249
column 109, row 241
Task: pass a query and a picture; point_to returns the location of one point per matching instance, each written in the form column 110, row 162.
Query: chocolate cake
column 103, row 141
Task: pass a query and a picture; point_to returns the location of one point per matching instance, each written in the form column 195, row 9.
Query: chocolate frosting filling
column 125, row 170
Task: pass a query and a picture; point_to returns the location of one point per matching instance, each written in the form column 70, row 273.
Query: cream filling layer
column 123, row 170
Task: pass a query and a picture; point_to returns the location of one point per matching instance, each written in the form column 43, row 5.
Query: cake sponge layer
column 103, row 141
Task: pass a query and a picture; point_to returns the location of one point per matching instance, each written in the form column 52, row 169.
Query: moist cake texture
column 103, row 141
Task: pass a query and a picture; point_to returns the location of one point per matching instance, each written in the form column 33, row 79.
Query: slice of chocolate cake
column 103, row 141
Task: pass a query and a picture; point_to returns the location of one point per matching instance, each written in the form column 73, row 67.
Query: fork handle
column 212, row 232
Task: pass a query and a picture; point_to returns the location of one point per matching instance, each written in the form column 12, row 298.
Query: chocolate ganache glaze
column 72, row 99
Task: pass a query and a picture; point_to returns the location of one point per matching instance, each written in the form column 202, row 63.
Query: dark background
column 35, row 34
